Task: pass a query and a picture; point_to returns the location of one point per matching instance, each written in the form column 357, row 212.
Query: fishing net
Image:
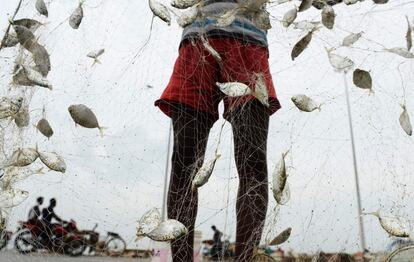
column 114, row 179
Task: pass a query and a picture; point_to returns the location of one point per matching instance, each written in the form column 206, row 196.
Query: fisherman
column 216, row 249
column 34, row 213
column 191, row 100
column 48, row 214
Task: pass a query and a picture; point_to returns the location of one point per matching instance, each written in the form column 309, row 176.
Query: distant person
column 217, row 245
column 48, row 214
column 34, row 213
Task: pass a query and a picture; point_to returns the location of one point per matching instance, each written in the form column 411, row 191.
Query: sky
column 112, row 180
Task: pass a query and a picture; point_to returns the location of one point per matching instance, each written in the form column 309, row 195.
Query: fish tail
column 96, row 61
column 371, row 92
column 81, row 2
column 50, row 87
column 101, row 130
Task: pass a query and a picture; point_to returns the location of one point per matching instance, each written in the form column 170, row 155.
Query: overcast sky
column 113, row 180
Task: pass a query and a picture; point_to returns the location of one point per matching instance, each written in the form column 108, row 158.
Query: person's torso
column 47, row 214
column 241, row 28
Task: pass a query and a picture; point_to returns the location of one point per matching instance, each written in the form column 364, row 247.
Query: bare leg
column 250, row 125
column 191, row 130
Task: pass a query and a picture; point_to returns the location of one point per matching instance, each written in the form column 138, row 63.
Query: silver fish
column 408, row 35
column 301, row 45
column 30, row 24
column 261, row 19
column 148, row 222
column 22, row 118
column 187, row 17
column 391, row 224
column 282, row 237
column 36, row 78
column 168, row 230
column 184, row 4
column 160, row 11
column 26, row 37
column 44, row 127
column 53, row 161
column 95, row 55
column 338, row 62
column 41, row 7
column 10, row 106
column 41, row 58
column 362, row 79
column 204, row 173
column 289, row 17
column 305, row 5
column 260, row 90
column 401, row 51
column 328, row 17
column 234, row 89
column 351, row 39
column 76, row 17
column 12, row 197
column 83, row 116
column 405, row 121
column 23, row 157
column 279, row 179
column 305, row 103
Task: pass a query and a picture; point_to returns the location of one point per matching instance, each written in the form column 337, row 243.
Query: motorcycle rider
column 34, row 213
column 48, row 214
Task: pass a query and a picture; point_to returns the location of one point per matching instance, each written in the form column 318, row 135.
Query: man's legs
column 191, row 130
column 250, row 125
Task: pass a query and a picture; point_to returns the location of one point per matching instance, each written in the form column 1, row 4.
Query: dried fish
column 351, row 2
column 282, row 237
column 95, row 55
column 188, row 16
column 227, row 18
column 11, row 40
column 380, row 1
column 405, row 121
column 306, row 25
column 234, row 89
column 401, row 51
column 338, row 62
column 76, row 17
column 362, row 79
column 12, row 197
column 301, row 45
column 22, row 118
column 252, row 6
column 10, row 106
column 289, row 17
column 148, row 222
column 44, row 127
column 279, row 179
column 160, row 11
column 53, row 161
column 328, row 17
column 23, row 157
column 305, row 103
column 30, row 24
column 391, row 224
column 261, row 19
column 26, row 37
column 305, row 5
column 204, row 173
column 83, row 116
column 212, row 51
column 260, row 90
column 20, row 77
column 168, row 230
column 408, row 35
column 41, row 7
column 184, row 4
column 351, row 39
column 41, row 58
column 36, row 78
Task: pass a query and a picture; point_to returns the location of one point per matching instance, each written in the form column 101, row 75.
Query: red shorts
column 193, row 81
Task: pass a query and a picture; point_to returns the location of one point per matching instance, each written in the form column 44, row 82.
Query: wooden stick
column 8, row 27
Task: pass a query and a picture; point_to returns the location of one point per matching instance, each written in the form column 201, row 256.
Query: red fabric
column 193, row 81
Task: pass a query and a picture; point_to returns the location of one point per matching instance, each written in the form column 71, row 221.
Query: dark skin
column 250, row 125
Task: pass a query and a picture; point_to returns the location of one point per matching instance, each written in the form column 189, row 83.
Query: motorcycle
column 61, row 238
column 113, row 245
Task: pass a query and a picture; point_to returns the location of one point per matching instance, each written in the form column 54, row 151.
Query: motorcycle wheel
column 115, row 247
column 24, row 242
column 75, row 248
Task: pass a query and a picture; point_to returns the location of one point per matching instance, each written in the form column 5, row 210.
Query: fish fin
column 101, row 129
column 96, row 61
column 371, row 92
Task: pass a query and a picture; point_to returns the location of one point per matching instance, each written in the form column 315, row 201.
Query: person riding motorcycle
column 34, row 213
column 48, row 214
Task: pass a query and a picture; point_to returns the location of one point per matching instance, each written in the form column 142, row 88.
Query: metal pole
column 361, row 222
column 167, row 171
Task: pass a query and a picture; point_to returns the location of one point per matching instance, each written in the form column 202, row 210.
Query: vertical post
column 361, row 222
column 167, row 171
